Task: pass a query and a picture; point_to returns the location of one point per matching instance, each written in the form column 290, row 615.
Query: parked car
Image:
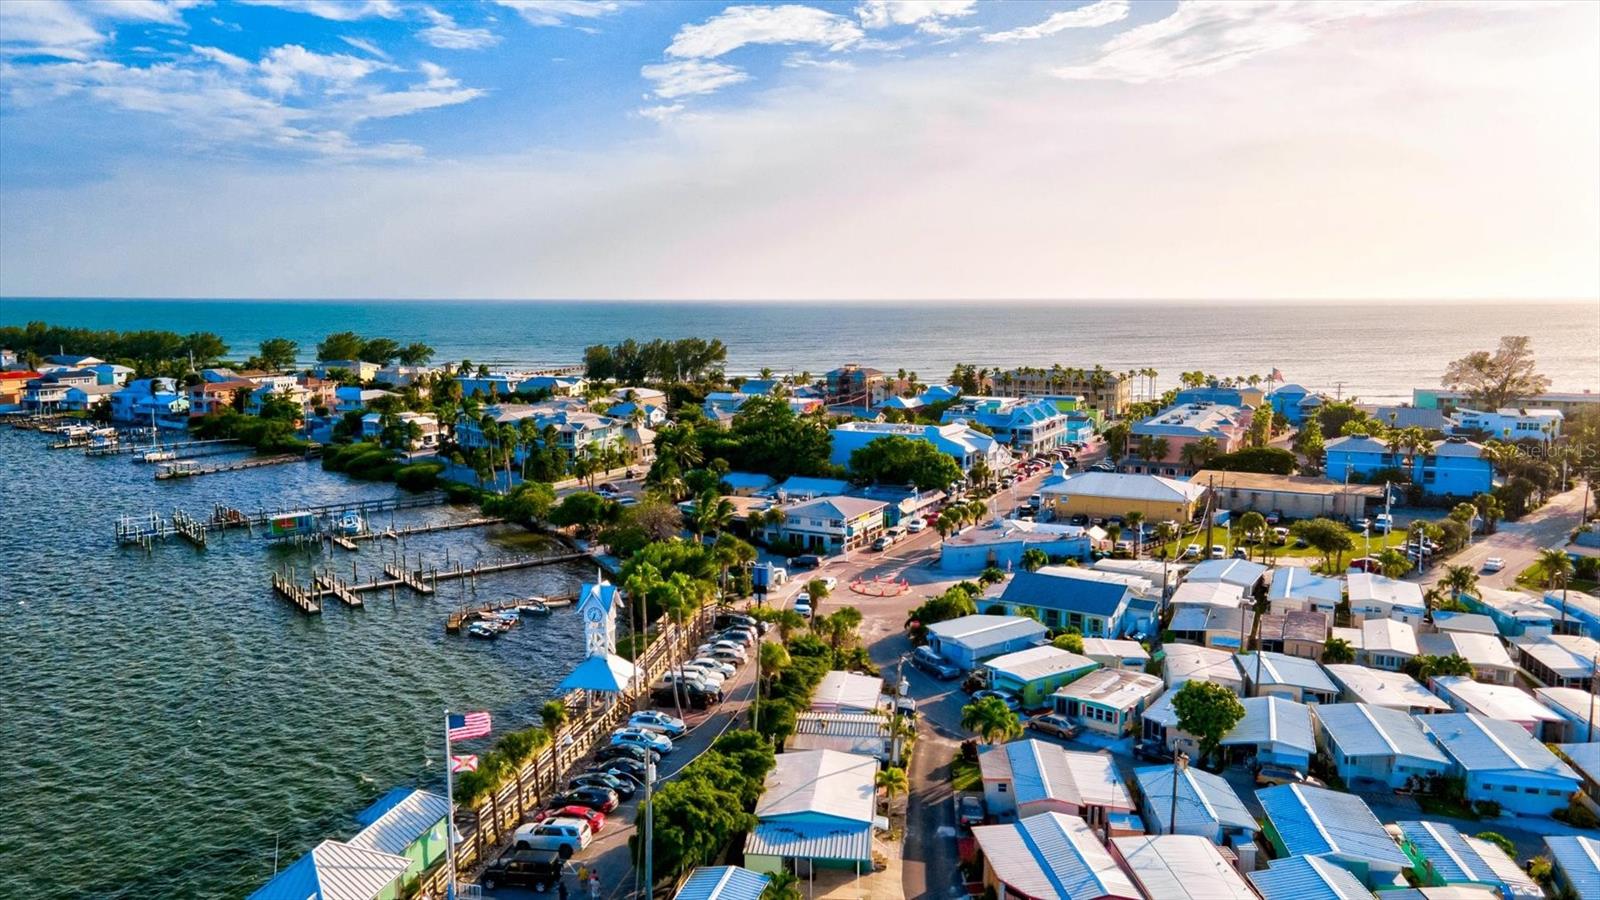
column 709, row 677
column 883, row 542
column 622, row 767
column 536, row 869
column 595, row 818
column 624, row 787
column 603, row 799
column 808, row 561
column 738, row 620
column 1494, row 564
column 1193, row 550
column 733, row 655
column 931, row 662
column 803, row 607
column 688, row 695
column 627, row 751
column 906, row 706
column 725, row 669
column 638, row 737
column 915, row 524
column 1274, row 517
column 1060, row 726
column 828, row 581
column 1152, row 751
column 1219, row 552
column 651, row 720
column 1280, row 535
column 1239, row 553
column 969, row 810
column 565, row 836
column 1383, row 523
column 1284, row 775
column 1010, row 700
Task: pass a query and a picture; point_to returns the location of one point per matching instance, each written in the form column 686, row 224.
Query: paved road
column 1519, row 543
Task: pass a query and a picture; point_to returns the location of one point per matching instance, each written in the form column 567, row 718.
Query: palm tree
column 1254, row 526
column 712, row 513
column 990, row 719
column 1135, row 519
column 1460, row 580
column 1489, row 510
column 1197, row 454
column 554, row 715
column 1337, row 650
column 891, row 781
column 1557, row 568
column 1431, row 598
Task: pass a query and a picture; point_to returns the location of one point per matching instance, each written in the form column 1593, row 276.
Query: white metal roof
column 1279, row 668
column 1300, row 583
column 1478, row 744
column 1388, row 636
column 1208, row 593
column 1110, row 647
column 1203, row 798
column 1361, row 729
column 1181, row 867
column 1119, row 486
column 334, row 870
column 1053, row 856
column 1187, row 662
column 1038, row 770
column 1572, row 703
column 1241, row 572
column 1568, row 655
column 1478, row 649
column 1308, row 878
column 1395, row 690
column 1313, row 821
column 846, row 691
column 403, row 823
column 824, row 782
column 1273, row 720
column 1497, row 701
column 1368, row 587
column 983, row 631
column 1039, row 662
column 1112, row 688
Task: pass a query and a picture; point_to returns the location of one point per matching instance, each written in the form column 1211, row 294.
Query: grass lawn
column 1379, row 542
column 965, row 774
column 1533, row 577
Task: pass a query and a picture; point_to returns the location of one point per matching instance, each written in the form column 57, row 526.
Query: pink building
column 1176, row 427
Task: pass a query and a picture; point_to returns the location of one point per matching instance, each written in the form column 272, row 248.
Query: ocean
column 1376, row 352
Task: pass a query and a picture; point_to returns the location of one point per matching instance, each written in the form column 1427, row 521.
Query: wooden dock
column 412, row 580
column 256, row 462
column 328, row 583
column 397, row 533
column 138, row 450
column 340, row 540
column 506, row 564
column 189, row 528
column 145, row 528
column 461, row 617
column 303, row 598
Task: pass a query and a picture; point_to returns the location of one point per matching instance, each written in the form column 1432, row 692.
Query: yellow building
column 1107, row 494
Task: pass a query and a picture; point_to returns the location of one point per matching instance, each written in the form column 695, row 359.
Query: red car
column 595, row 818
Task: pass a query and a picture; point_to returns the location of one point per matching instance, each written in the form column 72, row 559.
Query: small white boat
column 155, row 456
column 351, row 523
column 533, row 607
column 482, row 631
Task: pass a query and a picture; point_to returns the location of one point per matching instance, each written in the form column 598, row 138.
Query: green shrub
column 419, row 476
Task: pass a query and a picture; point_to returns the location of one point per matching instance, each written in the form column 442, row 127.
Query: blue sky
column 876, row 148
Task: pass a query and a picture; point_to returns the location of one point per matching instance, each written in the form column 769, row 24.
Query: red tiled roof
column 20, row 375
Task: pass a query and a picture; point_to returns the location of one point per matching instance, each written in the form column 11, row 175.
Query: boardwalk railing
column 488, row 826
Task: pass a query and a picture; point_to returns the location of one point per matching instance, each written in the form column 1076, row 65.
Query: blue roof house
column 1339, row 827
column 1307, row 878
column 1060, row 600
column 1376, row 744
column 1576, row 861
column 722, row 883
column 1502, row 762
column 817, row 806
column 1294, row 402
column 1206, row 804
column 1442, row 855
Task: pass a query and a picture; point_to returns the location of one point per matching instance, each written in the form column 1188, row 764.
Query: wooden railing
column 489, row 825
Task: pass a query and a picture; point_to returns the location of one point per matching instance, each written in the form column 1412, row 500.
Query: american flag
column 467, row 726
column 1277, row 375
column 463, row 763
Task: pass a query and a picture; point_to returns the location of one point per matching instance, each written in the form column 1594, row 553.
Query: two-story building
column 424, row 437
column 1028, row 427
column 1294, row 402
column 151, row 400
column 1107, row 393
column 1177, row 427
column 966, row 446
column 1454, row 467
column 856, row 385
column 830, row 524
column 1509, row 424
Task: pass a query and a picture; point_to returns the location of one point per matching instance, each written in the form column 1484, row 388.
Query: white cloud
column 923, row 13
column 66, row 30
column 681, row 78
column 222, row 58
column 1094, row 15
column 365, row 46
column 446, row 34
column 1202, row 36
column 288, row 69
column 336, row 10
column 557, row 12
column 738, row 26
column 663, row 113
column 803, row 60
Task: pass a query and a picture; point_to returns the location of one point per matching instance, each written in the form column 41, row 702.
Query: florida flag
column 463, row 764
column 467, row 725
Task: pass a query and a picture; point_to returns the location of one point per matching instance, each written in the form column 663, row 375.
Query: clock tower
column 597, row 604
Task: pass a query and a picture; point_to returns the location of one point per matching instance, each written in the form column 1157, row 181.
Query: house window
column 1002, row 788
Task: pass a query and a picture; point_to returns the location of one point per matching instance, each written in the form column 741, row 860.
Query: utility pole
column 649, row 827
column 1180, row 762
column 1594, row 661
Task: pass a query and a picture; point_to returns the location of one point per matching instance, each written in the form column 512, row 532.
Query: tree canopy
column 1208, row 711
column 659, row 360
column 1498, row 379
column 1266, row 460
column 900, row 460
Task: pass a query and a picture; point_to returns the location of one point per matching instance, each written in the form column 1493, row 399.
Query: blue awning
column 609, row 673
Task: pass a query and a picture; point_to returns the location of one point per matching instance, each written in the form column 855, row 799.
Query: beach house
column 1108, row 701
column 1503, row 763
column 1028, row 427
column 830, row 524
column 1066, row 598
column 1178, row 426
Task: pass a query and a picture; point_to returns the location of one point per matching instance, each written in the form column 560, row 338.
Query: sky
column 863, row 150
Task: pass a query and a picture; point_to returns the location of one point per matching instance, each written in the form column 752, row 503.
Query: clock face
column 593, row 614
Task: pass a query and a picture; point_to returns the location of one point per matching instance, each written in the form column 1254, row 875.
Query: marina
column 185, row 468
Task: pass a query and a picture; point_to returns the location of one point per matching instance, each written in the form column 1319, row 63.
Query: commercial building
column 817, row 809
column 968, row 640
column 405, row 822
column 1339, row 827
column 1107, row 701
column 1029, row 777
column 1032, row 675
column 1503, row 763
column 1051, row 856
column 1291, row 496
column 334, row 870
column 1100, row 495
column 1001, row 544
column 1179, row 426
column 1376, row 744
column 831, row 524
column 965, row 445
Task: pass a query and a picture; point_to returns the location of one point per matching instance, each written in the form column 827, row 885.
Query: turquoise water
column 1378, row 351
column 168, row 719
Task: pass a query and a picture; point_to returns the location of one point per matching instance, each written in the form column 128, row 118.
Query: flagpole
column 450, row 812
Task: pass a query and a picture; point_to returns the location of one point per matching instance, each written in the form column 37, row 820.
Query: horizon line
column 1032, row 301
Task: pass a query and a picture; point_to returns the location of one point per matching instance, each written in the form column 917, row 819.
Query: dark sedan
column 624, row 787
column 602, row 799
